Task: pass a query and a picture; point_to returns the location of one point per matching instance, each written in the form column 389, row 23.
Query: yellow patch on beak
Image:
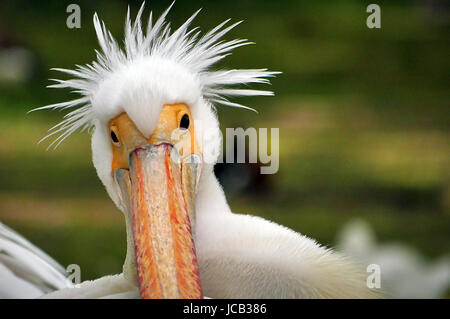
column 175, row 126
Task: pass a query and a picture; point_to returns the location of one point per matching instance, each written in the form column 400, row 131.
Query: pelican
column 406, row 274
column 155, row 139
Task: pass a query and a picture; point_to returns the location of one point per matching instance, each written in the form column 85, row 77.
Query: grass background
column 363, row 117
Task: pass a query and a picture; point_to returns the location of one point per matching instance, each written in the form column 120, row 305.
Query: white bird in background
column 155, row 140
column 403, row 272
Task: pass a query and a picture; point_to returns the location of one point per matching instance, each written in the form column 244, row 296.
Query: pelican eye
column 114, row 137
column 184, row 122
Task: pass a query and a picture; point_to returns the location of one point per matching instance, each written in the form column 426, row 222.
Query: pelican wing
column 107, row 287
column 25, row 270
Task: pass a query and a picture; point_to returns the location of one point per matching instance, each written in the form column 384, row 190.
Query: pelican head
column 156, row 138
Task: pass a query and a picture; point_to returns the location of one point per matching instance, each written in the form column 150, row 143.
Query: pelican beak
column 158, row 190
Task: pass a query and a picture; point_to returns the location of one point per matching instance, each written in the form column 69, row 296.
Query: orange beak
column 158, row 189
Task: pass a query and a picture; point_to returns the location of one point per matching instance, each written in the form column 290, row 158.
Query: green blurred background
column 363, row 117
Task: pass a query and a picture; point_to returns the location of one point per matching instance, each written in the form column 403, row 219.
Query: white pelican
column 405, row 273
column 155, row 140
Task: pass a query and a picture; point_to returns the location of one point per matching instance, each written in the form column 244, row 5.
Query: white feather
column 25, row 270
column 180, row 47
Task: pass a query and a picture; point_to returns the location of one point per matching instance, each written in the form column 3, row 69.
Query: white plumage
column 26, row 271
column 404, row 272
column 183, row 51
column 239, row 256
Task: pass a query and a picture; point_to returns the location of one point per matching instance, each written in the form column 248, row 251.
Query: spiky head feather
column 183, row 47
